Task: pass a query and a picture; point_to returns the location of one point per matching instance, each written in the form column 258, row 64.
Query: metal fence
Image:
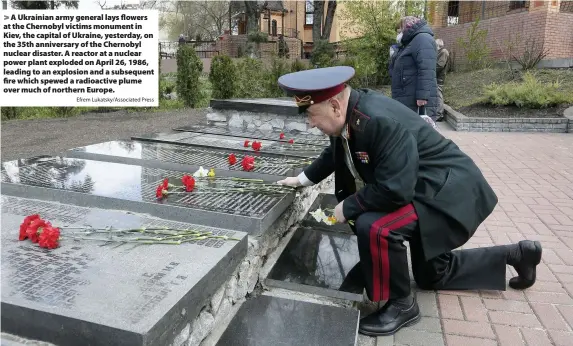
column 204, row 49
column 460, row 12
column 275, row 31
column 566, row 6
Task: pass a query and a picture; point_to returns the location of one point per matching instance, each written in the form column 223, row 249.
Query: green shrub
column 529, row 93
column 223, row 77
column 475, row 47
column 365, row 72
column 160, row 77
column 205, row 93
column 298, row 65
column 9, row 112
column 323, row 54
column 278, row 68
column 189, row 68
column 252, row 78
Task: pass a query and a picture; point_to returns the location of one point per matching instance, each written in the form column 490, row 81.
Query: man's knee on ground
column 428, row 279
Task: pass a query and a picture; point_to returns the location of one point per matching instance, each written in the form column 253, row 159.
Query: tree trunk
column 251, row 9
column 317, row 17
column 329, row 19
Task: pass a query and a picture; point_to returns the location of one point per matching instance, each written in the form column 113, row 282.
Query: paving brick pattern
column 532, row 175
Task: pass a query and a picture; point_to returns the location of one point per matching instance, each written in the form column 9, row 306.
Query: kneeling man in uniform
column 400, row 180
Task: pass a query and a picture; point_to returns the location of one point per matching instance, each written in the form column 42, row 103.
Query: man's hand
column 338, row 214
column 421, row 103
column 290, row 181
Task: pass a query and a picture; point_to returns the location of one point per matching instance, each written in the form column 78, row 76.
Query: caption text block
column 79, row 58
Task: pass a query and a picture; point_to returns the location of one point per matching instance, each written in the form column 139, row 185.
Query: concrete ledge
column 223, row 301
column 461, row 122
column 274, row 106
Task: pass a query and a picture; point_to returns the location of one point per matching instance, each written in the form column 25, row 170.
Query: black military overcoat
column 407, row 161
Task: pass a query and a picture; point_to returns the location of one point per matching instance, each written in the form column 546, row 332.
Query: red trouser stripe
column 379, row 231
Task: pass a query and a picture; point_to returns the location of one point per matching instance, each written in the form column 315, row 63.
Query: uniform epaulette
column 358, row 121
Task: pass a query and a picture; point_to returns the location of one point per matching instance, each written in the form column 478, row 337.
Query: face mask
column 399, row 38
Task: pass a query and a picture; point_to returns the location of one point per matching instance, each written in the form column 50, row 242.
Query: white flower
column 201, row 172
column 319, row 215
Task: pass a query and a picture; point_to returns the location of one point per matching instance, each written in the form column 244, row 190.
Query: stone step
column 234, row 144
column 268, row 320
column 184, row 158
column 258, row 133
column 278, row 106
column 316, row 261
column 108, row 185
column 85, row 293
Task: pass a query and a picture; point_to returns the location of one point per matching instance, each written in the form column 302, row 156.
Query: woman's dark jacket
column 413, row 69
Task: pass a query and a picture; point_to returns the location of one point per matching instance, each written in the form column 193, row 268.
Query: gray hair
column 439, row 43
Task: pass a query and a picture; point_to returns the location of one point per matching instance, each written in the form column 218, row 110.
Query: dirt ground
column 28, row 138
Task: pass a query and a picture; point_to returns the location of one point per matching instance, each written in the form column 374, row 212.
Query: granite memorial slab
column 184, row 158
column 267, row 320
column 214, row 202
column 97, row 292
column 302, row 138
column 236, row 144
column 317, row 262
column 325, row 201
column 280, row 106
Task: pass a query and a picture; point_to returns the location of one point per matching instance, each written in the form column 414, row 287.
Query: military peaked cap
column 316, row 85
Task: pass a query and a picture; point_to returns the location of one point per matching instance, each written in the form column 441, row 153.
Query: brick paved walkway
column 533, row 177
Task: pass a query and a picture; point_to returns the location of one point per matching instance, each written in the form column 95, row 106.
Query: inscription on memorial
column 155, row 287
column 136, row 183
column 316, row 140
column 45, row 277
column 68, row 214
column 186, row 155
column 100, row 293
column 236, row 144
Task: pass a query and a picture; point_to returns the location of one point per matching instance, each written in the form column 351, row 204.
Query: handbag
column 426, row 118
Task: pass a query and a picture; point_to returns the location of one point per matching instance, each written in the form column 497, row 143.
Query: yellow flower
column 331, row 220
column 211, row 172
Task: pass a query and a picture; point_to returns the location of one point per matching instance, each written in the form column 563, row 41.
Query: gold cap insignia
column 303, row 101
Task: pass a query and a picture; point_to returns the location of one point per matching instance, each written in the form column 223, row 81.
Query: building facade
column 291, row 19
column 521, row 25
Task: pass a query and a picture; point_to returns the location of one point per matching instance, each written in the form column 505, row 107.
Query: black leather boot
column 397, row 313
column 524, row 257
column 354, row 281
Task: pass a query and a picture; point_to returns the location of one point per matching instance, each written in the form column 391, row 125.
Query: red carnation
column 49, row 237
column 189, row 182
column 291, row 141
column 165, row 184
column 25, row 224
column 232, row 159
column 248, row 163
column 282, row 136
column 160, row 192
column 247, row 143
column 35, row 228
column 256, row 146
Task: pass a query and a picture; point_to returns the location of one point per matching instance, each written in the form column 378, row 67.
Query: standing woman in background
column 413, row 67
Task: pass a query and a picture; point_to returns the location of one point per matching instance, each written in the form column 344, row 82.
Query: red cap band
column 318, row 96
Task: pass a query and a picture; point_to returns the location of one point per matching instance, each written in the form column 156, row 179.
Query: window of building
column 309, row 12
column 453, row 12
column 274, row 27
column 514, row 5
column 4, row 5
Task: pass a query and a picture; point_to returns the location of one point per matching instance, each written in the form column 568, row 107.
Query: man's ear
column 335, row 104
